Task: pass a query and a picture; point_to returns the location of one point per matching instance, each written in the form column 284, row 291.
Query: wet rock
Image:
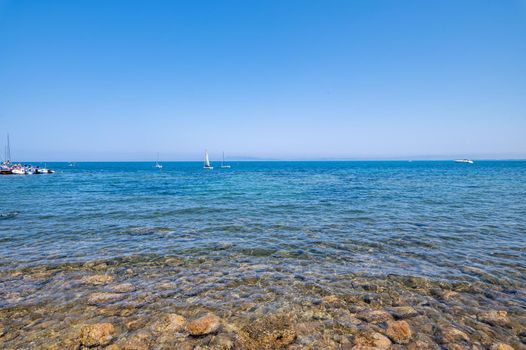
column 170, row 323
column 96, row 280
column 270, row 332
column 494, row 318
column 501, row 346
column 448, row 334
column 138, row 341
column 371, row 339
column 123, row 288
column 98, row 334
column 403, row 312
column 398, row 331
column 100, row 298
column 374, row 316
column 207, row 324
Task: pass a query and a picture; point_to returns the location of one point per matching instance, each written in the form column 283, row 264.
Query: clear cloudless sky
column 263, row 79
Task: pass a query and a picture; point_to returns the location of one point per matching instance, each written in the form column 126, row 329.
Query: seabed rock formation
column 174, row 303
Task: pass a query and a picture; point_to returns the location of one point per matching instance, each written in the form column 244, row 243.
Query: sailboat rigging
column 207, row 162
column 223, row 166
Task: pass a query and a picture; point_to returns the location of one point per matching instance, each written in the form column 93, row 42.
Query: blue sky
column 122, row 80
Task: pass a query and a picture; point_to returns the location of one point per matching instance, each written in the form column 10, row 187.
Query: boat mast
column 7, row 151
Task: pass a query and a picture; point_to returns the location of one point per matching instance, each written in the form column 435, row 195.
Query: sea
column 272, row 233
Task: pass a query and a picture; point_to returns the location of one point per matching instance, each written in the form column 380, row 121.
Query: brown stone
column 403, row 312
column 207, row 324
column 494, row 318
column 141, row 340
column 98, row 334
column 370, row 339
column 269, row 332
column 170, row 323
column 450, row 334
column 96, row 279
column 374, row 316
column 399, row 331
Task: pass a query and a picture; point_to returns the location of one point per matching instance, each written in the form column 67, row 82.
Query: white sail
column 207, row 161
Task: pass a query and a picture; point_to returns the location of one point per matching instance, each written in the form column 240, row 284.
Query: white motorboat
column 467, row 161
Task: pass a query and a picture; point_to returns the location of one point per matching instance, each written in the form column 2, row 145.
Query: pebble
column 207, row 324
column 98, row 334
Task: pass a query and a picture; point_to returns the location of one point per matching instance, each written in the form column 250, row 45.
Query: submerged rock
column 374, row 316
column 207, row 324
column 270, row 332
column 140, row 340
column 96, row 279
column 403, row 312
column 97, row 334
column 501, row 346
column 123, row 288
column 494, row 318
column 398, row 331
column 371, row 339
column 170, row 323
column 100, row 298
column 448, row 334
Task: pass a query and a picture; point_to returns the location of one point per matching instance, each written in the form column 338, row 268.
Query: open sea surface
column 263, row 239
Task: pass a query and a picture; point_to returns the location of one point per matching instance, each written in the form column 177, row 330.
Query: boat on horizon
column 207, row 165
column 223, row 165
column 467, row 161
column 157, row 165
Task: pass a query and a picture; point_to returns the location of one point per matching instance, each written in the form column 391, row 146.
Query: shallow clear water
column 307, row 249
column 413, row 218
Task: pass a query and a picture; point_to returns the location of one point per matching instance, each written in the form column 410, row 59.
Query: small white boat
column 207, row 165
column 467, row 161
column 157, row 165
column 223, row 166
column 18, row 171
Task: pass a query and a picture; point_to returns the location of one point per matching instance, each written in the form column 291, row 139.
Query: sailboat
column 223, row 166
column 157, row 165
column 207, row 162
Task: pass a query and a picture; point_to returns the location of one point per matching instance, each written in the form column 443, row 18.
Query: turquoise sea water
column 431, row 219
